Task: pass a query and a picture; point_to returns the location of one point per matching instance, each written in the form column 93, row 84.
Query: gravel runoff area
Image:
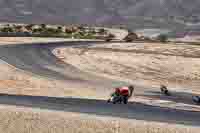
column 28, row 120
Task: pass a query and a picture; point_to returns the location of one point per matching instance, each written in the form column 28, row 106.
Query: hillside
column 134, row 13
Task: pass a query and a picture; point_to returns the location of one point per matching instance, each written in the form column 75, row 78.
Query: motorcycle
column 117, row 99
column 114, row 98
column 196, row 99
column 164, row 90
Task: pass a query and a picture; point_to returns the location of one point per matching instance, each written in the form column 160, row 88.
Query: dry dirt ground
column 151, row 64
column 145, row 65
column 27, row 120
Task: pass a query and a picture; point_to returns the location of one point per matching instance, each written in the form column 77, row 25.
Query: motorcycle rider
column 123, row 93
column 116, row 94
column 164, row 90
column 196, row 99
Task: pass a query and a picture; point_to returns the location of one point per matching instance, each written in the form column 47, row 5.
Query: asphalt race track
column 38, row 59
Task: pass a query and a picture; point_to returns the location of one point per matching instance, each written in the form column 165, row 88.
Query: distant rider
column 164, row 90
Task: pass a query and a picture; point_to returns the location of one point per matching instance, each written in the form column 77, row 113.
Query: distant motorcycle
column 196, row 99
column 164, row 90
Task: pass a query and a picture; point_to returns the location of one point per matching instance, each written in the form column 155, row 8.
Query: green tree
column 50, row 31
column 102, row 31
column 43, row 26
column 38, row 30
column 18, row 28
column 81, row 27
column 68, row 31
column 162, row 38
column 59, row 29
column 7, row 29
column 109, row 37
column 29, row 27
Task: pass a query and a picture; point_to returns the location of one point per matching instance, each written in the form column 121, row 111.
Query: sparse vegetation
column 43, row 26
column 102, row 31
column 18, row 28
column 7, row 29
column 29, row 27
column 43, row 30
